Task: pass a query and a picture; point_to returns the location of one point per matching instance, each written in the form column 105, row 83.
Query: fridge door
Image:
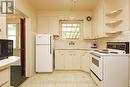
column 44, row 58
column 43, row 39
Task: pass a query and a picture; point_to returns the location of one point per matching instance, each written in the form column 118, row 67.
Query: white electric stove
column 109, row 67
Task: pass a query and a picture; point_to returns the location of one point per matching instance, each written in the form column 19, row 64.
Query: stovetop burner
column 115, row 48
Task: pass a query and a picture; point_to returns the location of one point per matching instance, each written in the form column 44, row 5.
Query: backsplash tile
column 123, row 37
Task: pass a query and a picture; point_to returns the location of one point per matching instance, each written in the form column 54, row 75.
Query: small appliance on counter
column 6, row 48
column 93, row 44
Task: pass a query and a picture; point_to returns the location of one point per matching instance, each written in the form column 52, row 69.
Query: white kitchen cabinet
column 54, row 25
column 5, row 77
column 69, row 60
column 76, row 60
column 59, row 59
column 98, row 21
column 5, row 70
column 43, row 26
column 87, row 29
column 47, row 24
column 85, row 61
column 72, row 60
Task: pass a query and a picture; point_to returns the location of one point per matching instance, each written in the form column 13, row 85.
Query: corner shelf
column 114, row 13
column 114, row 32
column 114, row 23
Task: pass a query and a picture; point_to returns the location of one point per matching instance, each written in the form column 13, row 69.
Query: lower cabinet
column 59, row 59
column 85, row 61
column 72, row 60
column 5, row 77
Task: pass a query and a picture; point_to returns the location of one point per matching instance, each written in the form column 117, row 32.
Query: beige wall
column 48, row 22
column 25, row 8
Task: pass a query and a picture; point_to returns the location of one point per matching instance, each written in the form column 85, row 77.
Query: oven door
column 96, row 66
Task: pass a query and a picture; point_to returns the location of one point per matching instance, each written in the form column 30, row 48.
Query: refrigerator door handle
column 50, row 44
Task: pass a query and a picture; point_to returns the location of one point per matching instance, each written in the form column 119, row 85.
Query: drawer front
column 4, row 76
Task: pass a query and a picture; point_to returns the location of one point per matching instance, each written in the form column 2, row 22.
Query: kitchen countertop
column 74, row 49
column 7, row 62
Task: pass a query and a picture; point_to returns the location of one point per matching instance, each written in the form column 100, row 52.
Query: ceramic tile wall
column 79, row 44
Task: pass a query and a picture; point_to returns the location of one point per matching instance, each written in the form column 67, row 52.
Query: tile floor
column 60, row 79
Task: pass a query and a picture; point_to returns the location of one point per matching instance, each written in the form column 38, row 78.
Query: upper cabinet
column 48, row 24
column 54, row 25
column 87, row 29
column 98, row 21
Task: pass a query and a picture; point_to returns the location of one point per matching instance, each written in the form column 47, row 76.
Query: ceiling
column 64, row 5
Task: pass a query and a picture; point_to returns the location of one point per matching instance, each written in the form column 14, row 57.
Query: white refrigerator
column 44, row 53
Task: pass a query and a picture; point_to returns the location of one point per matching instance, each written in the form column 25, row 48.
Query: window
column 71, row 29
column 12, row 33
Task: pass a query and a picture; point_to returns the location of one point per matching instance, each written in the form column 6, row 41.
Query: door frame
column 30, row 53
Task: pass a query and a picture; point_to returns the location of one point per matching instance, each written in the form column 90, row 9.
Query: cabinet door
column 54, row 25
column 5, row 77
column 43, row 24
column 98, row 21
column 76, row 60
column 68, row 60
column 87, row 30
column 59, row 60
column 85, row 61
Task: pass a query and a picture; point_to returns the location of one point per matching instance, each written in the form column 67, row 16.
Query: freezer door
column 44, row 58
column 43, row 39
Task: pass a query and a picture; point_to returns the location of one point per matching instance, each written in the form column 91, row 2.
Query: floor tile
column 60, row 79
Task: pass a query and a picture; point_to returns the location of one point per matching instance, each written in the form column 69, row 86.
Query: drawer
column 4, row 76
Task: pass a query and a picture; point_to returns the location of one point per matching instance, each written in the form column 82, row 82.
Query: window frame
column 17, row 42
column 71, row 22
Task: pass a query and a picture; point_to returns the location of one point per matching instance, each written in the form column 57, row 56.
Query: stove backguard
column 118, row 46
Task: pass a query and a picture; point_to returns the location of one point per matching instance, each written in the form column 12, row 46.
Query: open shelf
column 114, row 32
column 114, row 13
column 105, row 36
column 114, row 23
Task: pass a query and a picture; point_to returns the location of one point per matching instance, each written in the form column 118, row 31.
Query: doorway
column 16, row 31
column 23, row 46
